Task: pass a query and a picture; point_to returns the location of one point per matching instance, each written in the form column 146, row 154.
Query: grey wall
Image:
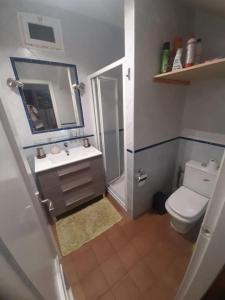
column 192, row 150
column 164, row 112
column 158, row 108
column 204, row 105
column 89, row 43
column 207, row 98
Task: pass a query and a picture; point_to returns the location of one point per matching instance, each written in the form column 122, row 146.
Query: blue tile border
column 152, row 146
column 202, row 141
column 130, row 151
column 58, row 141
column 173, row 139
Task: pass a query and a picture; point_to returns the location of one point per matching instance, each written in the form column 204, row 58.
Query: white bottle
column 177, row 65
column 198, row 51
column 190, row 56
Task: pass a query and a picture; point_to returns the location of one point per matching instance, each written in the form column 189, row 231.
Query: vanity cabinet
column 72, row 185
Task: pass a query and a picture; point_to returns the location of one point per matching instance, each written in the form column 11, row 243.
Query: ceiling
column 212, row 6
column 112, row 11
column 109, row 11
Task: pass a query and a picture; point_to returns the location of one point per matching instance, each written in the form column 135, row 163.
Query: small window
column 39, row 31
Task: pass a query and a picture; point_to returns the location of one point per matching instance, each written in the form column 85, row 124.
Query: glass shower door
column 109, row 125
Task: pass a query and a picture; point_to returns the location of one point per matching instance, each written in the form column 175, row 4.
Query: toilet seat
column 186, row 205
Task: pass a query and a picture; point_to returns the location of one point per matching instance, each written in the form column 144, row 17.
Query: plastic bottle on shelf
column 190, row 55
column 177, row 64
column 198, row 51
column 176, row 45
column 165, row 57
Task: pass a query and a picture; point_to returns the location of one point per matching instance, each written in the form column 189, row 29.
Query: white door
column 208, row 258
column 21, row 230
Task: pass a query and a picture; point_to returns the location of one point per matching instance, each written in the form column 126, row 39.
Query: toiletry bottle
column 198, row 52
column 165, row 57
column 177, row 65
column 190, row 55
column 40, row 152
column 176, row 45
column 86, row 143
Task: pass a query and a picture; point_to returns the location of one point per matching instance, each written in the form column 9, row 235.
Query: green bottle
column 165, row 57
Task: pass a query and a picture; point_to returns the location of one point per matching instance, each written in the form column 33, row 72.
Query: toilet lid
column 187, row 203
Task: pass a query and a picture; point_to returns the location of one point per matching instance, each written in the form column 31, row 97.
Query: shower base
column 117, row 190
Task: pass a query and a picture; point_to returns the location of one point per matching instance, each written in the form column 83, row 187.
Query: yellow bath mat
column 83, row 226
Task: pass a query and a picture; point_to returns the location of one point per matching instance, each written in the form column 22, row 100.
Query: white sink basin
column 60, row 159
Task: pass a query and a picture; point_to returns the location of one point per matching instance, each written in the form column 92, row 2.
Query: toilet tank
column 199, row 178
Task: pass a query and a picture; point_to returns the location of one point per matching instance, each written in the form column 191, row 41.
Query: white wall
column 158, row 108
column 204, row 108
column 90, row 44
column 129, row 22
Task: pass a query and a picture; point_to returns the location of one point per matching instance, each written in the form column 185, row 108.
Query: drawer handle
column 206, row 179
column 84, row 197
column 73, row 170
column 71, row 186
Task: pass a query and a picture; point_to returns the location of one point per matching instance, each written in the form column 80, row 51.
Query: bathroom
column 141, row 139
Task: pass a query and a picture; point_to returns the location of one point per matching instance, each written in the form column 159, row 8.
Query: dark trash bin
column 159, row 200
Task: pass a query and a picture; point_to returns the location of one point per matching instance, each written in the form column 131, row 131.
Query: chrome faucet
column 66, row 149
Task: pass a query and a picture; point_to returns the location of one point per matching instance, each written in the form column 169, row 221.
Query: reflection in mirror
column 50, row 101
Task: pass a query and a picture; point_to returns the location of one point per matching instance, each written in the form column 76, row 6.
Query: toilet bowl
column 187, row 204
column 185, row 208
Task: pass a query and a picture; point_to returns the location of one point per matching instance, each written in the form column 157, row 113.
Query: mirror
column 49, row 97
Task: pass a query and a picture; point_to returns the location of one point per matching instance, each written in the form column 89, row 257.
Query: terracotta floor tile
column 176, row 272
column 113, row 269
column 129, row 256
column 102, row 248
column 94, row 285
column 144, row 242
column 142, row 276
column 126, row 289
column 159, row 292
column 142, row 259
column 70, row 271
column 84, row 262
column 107, row 296
column 78, row 292
column 159, row 259
column 116, row 237
column 129, row 230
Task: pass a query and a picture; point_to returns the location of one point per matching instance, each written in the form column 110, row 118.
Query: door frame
column 99, row 78
column 91, row 78
column 51, row 91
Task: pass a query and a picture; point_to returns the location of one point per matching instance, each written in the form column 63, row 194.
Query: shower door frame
column 99, row 78
column 92, row 77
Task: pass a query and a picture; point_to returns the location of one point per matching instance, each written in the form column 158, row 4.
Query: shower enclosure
column 107, row 91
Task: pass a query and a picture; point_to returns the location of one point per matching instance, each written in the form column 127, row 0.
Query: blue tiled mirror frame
column 52, row 63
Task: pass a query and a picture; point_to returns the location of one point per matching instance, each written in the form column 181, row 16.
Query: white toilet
column 187, row 204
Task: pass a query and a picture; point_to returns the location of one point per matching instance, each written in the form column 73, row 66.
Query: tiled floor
column 141, row 259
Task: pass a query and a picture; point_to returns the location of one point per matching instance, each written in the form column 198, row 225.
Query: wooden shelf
column 207, row 70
